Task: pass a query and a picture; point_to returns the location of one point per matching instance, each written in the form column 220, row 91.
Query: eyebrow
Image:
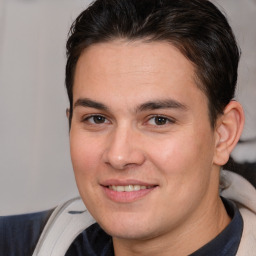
column 150, row 105
column 85, row 102
column 161, row 104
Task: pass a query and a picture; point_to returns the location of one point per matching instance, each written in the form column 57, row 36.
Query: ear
column 228, row 130
column 67, row 113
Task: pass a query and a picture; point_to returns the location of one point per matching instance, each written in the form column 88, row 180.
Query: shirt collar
column 227, row 242
column 95, row 240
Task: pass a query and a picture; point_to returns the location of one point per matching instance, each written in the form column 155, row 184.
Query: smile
column 122, row 193
column 128, row 188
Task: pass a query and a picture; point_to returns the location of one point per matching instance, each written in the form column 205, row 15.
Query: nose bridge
column 123, row 148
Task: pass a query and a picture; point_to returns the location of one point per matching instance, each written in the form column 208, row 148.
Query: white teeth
column 136, row 187
column 128, row 188
column 120, row 188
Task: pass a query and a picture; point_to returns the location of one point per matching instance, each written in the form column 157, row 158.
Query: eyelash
column 165, row 119
column 86, row 119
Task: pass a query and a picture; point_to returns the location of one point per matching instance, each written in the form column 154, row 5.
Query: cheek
column 185, row 159
column 85, row 159
column 174, row 152
column 85, row 154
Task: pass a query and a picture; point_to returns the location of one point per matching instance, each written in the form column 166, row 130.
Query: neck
column 207, row 224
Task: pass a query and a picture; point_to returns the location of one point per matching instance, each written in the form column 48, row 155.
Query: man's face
column 141, row 124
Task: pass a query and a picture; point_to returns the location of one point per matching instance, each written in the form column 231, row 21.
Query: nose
column 123, row 149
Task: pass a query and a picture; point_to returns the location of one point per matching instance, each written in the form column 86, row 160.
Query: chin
column 127, row 227
column 129, row 233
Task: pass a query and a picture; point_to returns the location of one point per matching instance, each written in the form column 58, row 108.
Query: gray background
column 35, row 168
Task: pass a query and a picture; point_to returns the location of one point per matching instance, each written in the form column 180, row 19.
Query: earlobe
column 228, row 131
column 67, row 113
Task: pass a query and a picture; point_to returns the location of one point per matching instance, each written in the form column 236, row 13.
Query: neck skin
column 204, row 225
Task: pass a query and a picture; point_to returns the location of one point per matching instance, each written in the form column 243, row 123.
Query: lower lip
column 126, row 197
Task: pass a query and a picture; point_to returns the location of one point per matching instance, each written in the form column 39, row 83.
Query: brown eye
column 159, row 120
column 96, row 119
column 99, row 119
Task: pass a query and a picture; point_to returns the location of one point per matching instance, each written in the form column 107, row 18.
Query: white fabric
column 240, row 191
column 70, row 219
column 65, row 224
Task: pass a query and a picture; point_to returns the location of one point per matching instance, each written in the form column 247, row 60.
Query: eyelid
column 85, row 118
column 169, row 119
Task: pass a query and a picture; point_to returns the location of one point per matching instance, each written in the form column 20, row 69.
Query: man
column 152, row 120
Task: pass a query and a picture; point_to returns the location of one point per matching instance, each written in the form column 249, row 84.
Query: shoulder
column 248, row 241
column 92, row 241
column 20, row 233
column 66, row 222
column 243, row 194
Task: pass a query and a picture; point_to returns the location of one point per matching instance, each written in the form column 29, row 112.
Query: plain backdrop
column 35, row 167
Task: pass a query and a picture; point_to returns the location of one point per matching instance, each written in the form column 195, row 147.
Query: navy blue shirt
column 19, row 235
column 227, row 242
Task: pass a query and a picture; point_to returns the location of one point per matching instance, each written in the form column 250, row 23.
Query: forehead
column 125, row 69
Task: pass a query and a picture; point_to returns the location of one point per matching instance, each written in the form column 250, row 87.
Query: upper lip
column 116, row 182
